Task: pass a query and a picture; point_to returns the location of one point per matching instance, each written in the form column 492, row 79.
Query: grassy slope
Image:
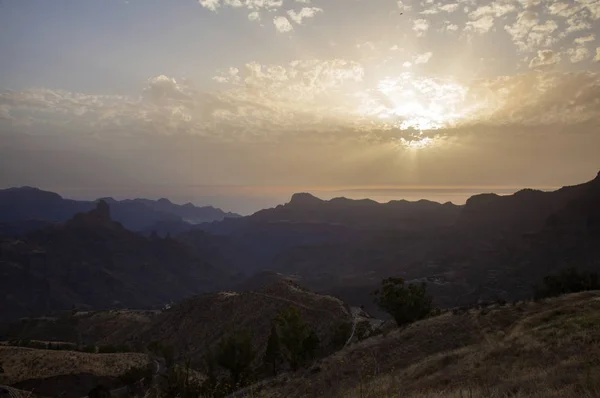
column 25, row 363
column 541, row 349
column 202, row 321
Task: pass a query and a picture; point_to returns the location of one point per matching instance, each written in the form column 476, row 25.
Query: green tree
column 235, row 354
column 293, row 332
column 272, row 357
column 299, row 341
column 406, row 304
column 310, row 345
column 341, row 334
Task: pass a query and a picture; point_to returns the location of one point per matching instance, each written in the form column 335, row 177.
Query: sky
column 240, row 103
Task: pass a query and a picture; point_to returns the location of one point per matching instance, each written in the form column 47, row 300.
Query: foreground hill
column 101, row 328
column 196, row 324
column 92, row 261
column 522, row 350
column 64, row 373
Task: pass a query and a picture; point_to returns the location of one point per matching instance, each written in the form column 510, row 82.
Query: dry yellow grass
column 546, row 349
column 25, row 363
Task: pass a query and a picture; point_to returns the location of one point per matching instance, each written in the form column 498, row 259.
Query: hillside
column 73, row 374
column 92, row 261
column 200, row 322
column 523, row 350
column 81, row 327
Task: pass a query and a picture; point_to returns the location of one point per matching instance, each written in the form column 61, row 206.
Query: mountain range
column 25, row 209
column 493, row 247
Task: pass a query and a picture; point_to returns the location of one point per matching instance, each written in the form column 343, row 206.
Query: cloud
column 5, row 113
column 210, row 4
column 578, row 54
column 543, row 98
column 451, row 7
column 403, row 7
column 544, row 58
column 495, row 9
column 304, row 13
column 597, row 58
column 423, row 58
column 254, row 16
column 213, row 5
column 421, row 26
column 584, row 39
column 282, row 24
column 529, row 34
column 451, row 27
column 482, row 25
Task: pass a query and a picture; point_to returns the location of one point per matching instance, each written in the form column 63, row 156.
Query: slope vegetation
column 527, row 349
column 196, row 324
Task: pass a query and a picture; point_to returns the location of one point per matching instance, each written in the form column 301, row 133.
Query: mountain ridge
column 22, row 204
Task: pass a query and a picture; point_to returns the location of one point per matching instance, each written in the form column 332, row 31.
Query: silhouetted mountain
column 93, row 261
column 308, row 221
column 364, row 213
column 21, row 208
column 187, row 212
column 27, row 203
column 499, row 247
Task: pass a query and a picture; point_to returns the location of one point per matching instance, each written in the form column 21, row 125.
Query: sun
column 417, row 105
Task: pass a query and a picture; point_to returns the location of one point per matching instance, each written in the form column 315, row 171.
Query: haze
column 239, row 103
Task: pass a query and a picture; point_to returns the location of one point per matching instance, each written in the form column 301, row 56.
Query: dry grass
column 25, row 363
column 546, row 349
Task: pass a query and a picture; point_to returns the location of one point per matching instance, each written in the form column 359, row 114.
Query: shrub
column 363, row 330
column 178, row 383
column 567, row 281
column 341, row 334
column 406, row 304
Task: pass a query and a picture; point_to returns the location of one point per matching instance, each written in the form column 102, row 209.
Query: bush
column 178, row 383
column 567, row 281
column 363, row 330
column 404, row 304
column 341, row 335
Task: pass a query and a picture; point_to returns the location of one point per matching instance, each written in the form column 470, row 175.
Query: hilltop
column 199, row 323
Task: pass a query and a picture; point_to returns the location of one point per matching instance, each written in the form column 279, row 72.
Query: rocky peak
column 303, row 199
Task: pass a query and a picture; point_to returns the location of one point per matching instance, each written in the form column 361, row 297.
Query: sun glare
column 417, row 104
